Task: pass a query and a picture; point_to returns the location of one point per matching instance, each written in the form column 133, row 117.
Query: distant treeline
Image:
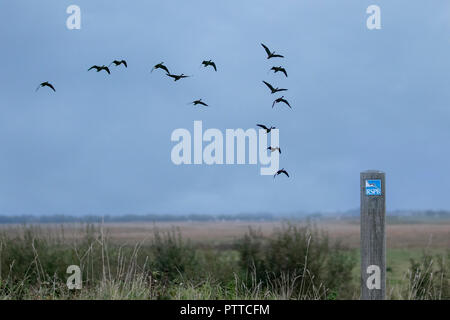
column 424, row 213
column 392, row 216
column 130, row 218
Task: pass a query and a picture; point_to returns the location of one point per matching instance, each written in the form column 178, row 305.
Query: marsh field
column 218, row 260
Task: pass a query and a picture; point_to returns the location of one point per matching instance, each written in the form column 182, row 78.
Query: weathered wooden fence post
column 373, row 236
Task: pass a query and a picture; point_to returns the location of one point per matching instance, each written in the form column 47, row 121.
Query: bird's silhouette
column 372, row 185
column 177, row 77
column 272, row 89
column 161, row 66
column 100, row 68
column 272, row 149
column 281, row 99
column 271, row 54
column 279, row 69
column 46, row 84
column 265, row 128
column 209, row 63
column 118, row 63
column 280, row 172
column 199, row 101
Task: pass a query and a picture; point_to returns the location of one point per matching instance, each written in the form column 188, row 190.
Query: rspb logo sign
column 373, row 187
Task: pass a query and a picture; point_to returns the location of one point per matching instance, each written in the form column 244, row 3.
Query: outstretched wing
column 267, row 49
column 277, row 90
column 93, row 67
column 284, row 71
column 277, row 56
column 124, row 63
column 201, row 102
column 107, row 70
column 273, row 104
column 269, row 85
column 165, row 68
column 262, row 126
column 285, row 172
column 286, row 102
column 214, row 66
column 50, row 86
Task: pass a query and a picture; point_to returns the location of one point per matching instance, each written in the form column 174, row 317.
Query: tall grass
column 293, row 263
column 428, row 278
column 317, row 268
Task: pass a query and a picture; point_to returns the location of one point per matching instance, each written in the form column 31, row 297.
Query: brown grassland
column 226, row 252
column 218, row 233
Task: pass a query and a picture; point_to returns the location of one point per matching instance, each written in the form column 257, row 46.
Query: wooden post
column 373, row 236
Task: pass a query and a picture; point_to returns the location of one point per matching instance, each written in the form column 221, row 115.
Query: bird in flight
column 280, row 172
column 160, row 66
column 177, row 77
column 272, row 149
column 271, row 54
column 371, row 185
column 209, row 63
column 272, row 89
column 46, row 84
column 199, row 101
column 279, row 69
column 118, row 63
column 265, row 128
column 100, row 68
column 281, row 99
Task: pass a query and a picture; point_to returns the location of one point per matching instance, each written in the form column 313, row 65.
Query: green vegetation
column 403, row 272
column 296, row 262
column 304, row 255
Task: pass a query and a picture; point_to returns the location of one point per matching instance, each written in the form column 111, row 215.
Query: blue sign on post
column 373, row 187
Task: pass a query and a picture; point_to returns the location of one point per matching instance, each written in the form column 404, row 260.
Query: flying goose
column 209, row 63
column 280, row 172
column 118, row 63
column 177, row 77
column 281, row 99
column 272, row 149
column 160, row 66
column 265, row 128
column 279, row 69
column 100, row 68
column 271, row 54
column 46, row 84
column 199, row 101
column 272, row 89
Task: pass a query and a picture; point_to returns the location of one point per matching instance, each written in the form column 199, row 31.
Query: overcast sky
column 362, row 99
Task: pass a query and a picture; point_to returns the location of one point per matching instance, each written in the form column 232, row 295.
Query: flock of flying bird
column 206, row 63
column 273, row 90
